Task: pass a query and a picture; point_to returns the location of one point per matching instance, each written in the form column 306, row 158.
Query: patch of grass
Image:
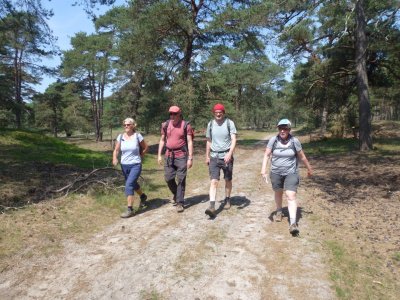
column 336, row 250
column 40, row 229
column 250, row 137
column 396, row 256
column 253, row 135
column 23, row 146
column 341, row 146
column 330, row 146
column 150, row 295
column 385, row 140
column 111, row 201
column 343, row 271
column 357, row 273
column 387, row 146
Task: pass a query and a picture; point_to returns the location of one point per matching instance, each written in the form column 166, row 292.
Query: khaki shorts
column 288, row 182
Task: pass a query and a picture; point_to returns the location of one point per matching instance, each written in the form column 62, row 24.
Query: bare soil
column 349, row 212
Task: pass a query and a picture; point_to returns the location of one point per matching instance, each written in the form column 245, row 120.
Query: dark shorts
column 288, row 182
column 216, row 165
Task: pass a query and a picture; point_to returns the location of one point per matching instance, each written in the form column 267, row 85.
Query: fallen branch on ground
column 84, row 180
column 5, row 208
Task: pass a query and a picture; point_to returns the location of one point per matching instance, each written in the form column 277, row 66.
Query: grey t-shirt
column 220, row 140
column 284, row 158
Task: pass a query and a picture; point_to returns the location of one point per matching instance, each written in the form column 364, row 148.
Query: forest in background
column 343, row 59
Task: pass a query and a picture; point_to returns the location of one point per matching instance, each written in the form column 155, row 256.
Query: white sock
column 292, row 207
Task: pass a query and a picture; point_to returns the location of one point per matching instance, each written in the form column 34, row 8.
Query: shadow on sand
column 238, row 201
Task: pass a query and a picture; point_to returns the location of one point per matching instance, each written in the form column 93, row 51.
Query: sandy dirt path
column 161, row 254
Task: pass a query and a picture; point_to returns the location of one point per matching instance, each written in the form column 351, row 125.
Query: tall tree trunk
column 100, row 107
column 18, row 87
column 55, row 120
column 188, row 56
column 238, row 98
column 365, row 139
column 137, row 93
column 95, row 108
column 195, row 8
column 324, row 117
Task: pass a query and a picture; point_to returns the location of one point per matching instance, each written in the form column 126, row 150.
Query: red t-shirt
column 176, row 138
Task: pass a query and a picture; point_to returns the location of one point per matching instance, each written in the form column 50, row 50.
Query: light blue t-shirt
column 130, row 149
column 284, row 158
column 221, row 141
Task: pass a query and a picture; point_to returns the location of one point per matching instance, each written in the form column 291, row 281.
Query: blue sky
column 66, row 22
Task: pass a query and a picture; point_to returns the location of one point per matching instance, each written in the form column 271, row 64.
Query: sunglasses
column 173, row 114
column 283, row 128
column 127, row 125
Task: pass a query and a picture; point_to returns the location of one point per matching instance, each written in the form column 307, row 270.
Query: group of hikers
column 283, row 151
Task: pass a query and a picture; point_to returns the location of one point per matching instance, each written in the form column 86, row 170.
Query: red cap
column 218, row 106
column 174, row 109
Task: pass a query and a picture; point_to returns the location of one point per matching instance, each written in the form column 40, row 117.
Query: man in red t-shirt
column 178, row 155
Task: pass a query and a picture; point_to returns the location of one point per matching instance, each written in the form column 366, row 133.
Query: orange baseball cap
column 174, row 109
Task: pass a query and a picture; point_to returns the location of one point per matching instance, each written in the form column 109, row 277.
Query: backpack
column 228, row 125
column 137, row 136
column 165, row 127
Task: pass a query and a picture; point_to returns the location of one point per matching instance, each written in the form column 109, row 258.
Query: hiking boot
column 179, row 207
column 227, row 202
column 143, row 198
column 173, row 200
column 278, row 216
column 210, row 212
column 127, row 214
column 294, row 229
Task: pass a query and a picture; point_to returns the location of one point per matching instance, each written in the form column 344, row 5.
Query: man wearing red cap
column 221, row 143
column 177, row 140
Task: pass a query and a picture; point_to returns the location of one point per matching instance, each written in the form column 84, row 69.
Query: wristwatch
column 190, row 158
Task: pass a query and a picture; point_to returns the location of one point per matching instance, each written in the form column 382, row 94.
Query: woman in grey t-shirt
column 285, row 151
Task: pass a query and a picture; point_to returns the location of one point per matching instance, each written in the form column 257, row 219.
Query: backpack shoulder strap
column 211, row 125
column 185, row 125
column 140, row 147
column 292, row 145
column 274, row 144
column 165, row 127
column 228, row 124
